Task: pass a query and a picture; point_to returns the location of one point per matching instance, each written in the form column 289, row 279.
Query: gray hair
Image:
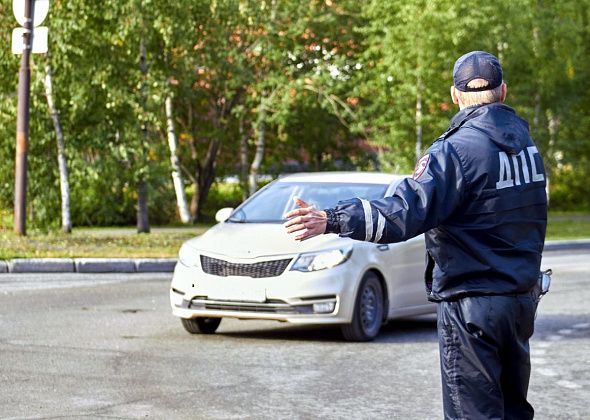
column 479, row 98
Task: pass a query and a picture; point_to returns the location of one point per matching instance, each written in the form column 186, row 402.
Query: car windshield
column 272, row 203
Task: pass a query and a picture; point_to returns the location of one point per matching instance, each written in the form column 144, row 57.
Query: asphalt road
column 106, row 346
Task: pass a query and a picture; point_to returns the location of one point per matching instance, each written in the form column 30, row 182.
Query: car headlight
column 315, row 261
column 188, row 256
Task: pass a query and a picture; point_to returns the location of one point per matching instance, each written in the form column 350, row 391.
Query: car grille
column 256, row 270
column 270, row 307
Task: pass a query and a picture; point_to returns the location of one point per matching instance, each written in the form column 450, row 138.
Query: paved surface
column 105, row 346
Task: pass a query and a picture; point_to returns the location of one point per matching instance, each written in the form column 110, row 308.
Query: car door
column 405, row 265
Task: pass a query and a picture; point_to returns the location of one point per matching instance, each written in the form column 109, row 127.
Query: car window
column 270, row 204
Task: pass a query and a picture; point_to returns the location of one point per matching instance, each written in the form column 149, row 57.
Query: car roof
column 343, row 177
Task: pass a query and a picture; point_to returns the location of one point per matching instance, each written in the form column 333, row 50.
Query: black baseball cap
column 477, row 65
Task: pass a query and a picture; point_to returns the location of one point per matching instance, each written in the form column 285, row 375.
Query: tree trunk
column 260, row 144
column 66, row 222
column 537, row 111
column 205, row 169
column 552, row 126
column 195, row 206
column 537, row 116
column 556, row 156
column 261, row 123
column 143, row 223
column 181, row 202
column 205, row 176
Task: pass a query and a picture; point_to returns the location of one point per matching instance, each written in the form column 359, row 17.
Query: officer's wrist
column 332, row 225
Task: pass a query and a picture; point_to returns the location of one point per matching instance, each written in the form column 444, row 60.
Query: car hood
column 254, row 240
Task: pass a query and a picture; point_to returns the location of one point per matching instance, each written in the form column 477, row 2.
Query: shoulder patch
column 421, row 166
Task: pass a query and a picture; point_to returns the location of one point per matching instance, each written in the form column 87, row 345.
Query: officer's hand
column 306, row 220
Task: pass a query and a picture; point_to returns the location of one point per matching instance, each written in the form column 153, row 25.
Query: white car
column 248, row 267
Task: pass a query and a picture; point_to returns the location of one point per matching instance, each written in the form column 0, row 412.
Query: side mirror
column 223, row 214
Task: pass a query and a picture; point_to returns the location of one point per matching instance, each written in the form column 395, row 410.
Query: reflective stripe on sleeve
column 368, row 219
column 380, row 226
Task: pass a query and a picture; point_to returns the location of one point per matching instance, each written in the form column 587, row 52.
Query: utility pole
column 22, row 126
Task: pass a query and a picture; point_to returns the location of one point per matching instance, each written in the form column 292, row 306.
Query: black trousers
column 484, row 356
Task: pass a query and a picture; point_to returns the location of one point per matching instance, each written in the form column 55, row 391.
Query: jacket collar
column 473, row 111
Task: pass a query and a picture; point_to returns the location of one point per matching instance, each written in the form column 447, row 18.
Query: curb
column 101, row 265
column 41, row 265
column 88, row 265
column 567, row 245
column 150, row 265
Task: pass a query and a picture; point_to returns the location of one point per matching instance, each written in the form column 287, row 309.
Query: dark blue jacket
column 479, row 194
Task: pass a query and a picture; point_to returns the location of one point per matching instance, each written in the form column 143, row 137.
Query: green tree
column 408, row 53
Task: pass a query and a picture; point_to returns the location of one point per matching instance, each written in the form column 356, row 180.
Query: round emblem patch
column 421, row 166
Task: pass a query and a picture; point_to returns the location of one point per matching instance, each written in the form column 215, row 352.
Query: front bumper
column 322, row 297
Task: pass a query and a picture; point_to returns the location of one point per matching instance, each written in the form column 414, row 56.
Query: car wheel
column 201, row 325
column 368, row 311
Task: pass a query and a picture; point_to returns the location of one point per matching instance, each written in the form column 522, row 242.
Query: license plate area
column 240, row 289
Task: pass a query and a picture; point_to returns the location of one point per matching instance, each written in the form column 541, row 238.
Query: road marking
column 538, row 361
column 565, row 331
column 581, row 326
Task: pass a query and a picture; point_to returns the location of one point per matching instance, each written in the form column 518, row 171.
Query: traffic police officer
column 479, row 195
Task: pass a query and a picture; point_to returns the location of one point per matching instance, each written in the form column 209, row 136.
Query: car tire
column 368, row 311
column 200, row 325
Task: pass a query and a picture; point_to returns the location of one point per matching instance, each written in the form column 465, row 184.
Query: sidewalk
column 157, row 265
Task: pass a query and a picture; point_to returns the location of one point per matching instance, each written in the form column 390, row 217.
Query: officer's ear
column 454, row 95
column 503, row 92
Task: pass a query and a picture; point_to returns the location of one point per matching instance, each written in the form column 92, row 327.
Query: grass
column 164, row 242
column 98, row 242
column 563, row 226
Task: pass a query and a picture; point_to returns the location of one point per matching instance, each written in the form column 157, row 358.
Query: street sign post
column 29, row 13
column 22, row 126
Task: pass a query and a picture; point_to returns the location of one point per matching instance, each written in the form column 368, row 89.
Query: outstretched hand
column 306, row 220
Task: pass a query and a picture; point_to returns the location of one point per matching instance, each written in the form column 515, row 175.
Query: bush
column 222, row 194
column 569, row 189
